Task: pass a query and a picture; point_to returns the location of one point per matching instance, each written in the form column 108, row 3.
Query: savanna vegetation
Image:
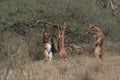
column 21, row 38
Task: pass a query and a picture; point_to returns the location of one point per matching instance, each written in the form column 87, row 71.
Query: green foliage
column 78, row 13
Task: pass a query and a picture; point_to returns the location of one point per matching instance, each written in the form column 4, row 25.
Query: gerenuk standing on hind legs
column 62, row 53
column 47, row 45
column 99, row 41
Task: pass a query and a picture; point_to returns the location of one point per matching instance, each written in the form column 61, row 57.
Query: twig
column 7, row 71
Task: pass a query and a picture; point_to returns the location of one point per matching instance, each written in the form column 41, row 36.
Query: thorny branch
column 79, row 38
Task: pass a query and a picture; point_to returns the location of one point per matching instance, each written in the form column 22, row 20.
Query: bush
column 78, row 13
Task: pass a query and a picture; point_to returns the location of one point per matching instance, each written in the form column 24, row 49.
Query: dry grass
column 75, row 68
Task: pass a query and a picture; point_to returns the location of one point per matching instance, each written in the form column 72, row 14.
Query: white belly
column 49, row 51
column 49, row 47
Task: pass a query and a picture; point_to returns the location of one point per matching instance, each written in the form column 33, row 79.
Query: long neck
column 62, row 35
column 97, row 29
column 62, row 38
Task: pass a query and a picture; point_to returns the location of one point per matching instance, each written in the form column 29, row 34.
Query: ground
column 76, row 67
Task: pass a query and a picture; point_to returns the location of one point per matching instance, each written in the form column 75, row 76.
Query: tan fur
column 98, row 53
column 62, row 52
column 45, row 52
column 99, row 41
column 46, row 35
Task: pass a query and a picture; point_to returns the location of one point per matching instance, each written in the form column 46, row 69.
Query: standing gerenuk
column 47, row 45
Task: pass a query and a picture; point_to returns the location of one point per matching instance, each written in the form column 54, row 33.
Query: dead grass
column 75, row 68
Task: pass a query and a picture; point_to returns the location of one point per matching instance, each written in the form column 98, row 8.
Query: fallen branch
column 10, row 65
